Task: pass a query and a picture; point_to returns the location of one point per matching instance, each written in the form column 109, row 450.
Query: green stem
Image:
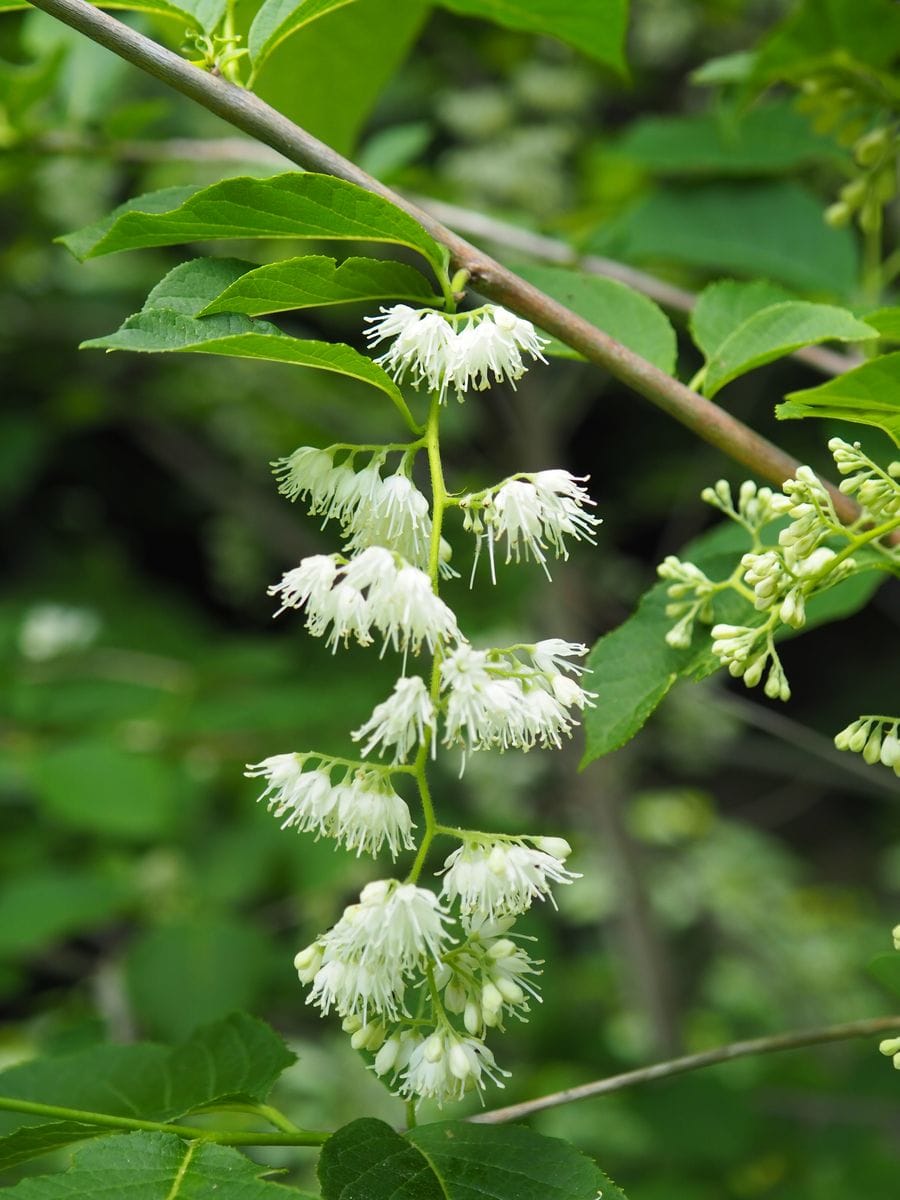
column 221, row 1137
column 265, row 1111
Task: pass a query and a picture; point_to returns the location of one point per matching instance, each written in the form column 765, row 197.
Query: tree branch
column 692, row 1062
column 256, row 118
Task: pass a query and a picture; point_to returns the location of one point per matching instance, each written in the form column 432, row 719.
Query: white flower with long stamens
column 369, row 813
column 445, row 1066
column 397, row 517
column 300, row 799
column 501, row 878
column 308, row 472
column 401, row 721
column 423, row 345
column 489, row 350
column 552, row 655
column 408, row 612
column 311, row 582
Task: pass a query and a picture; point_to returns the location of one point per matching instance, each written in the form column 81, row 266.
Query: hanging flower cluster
column 418, row 974
column 811, row 552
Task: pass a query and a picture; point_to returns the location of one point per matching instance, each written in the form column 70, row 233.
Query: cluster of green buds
column 787, row 566
column 890, row 1047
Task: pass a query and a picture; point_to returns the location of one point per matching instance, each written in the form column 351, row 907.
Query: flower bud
column 308, row 961
column 491, row 998
column 889, row 1047
column 472, row 1018
column 460, row 1065
column 387, row 1055
column 434, row 1048
column 556, row 846
column 510, row 990
column 504, row 947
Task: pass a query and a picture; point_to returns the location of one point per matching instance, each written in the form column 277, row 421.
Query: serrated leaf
column 776, row 331
column 596, row 28
column 293, row 205
column 238, row 1056
column 626, row 315
column 317, row 280
column 769, row 229
column 867, row 395
column 453, row 1160
column 769, row 139
column 633, row 668
column 886, row 969
column 162, row 330
column 278, row 19
column 33, row 1141
column 155, row 1166
column 722, row 306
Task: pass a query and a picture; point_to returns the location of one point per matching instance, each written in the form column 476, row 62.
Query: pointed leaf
column 776, row 331
column 626, row 315
column 867, row 395
column 595, row 27
column 723, row 306
column 293, row 205
column 237, row 1056
column 453, row 1160
column 185, row 14
column 34, row 1140
column 155, row 1166
column 278, row 19
column 162, row 330
column 318, row 280
column 886, row 321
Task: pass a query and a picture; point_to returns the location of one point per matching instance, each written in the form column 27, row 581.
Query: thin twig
column 256, row 118
column 692, row 1062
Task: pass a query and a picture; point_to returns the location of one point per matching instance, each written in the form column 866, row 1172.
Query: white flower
column 303, row 800
column 369, row 813
column 488, row 347
column 310, row 582
column 401, row 721
column 397, row 516
column 534, row 513
column 445, row 1066
column 488, row 976
column 309, row 472
column 406, row 610
column 552, row 656
column 369, row 956
column 500, row 878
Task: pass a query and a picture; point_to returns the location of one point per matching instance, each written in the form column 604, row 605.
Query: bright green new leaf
column 886, row 321
column 453, row 1160
column 633, row 668
column 867, row 395
column 155, row 1166
column 318, row 280
column 236, row 1057
column 778, row 330
column 725, row 305
column 293, row 205
column 769, row 229
column 768, row 140
column 595, row 27
column 278, row 19
column 626, row 315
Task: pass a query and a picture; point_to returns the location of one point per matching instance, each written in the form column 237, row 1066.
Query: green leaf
column 238, row 1058
column 166, row 324
column 722, row 306
column 184, row 14
column 278, row 19
column 293, row 205
column 771, row 229
column 596, row 28
column 317, row 280
column 886, row 969
column 867, row 395
column 821, row 32
column 778, row 330
column 155, row 1166
column 626, row 315
column 220, row 964
column 374, row 35
column 769, row 139
column 886, row 321
column 94, row 785
column 453, row 1160
column 39, row 909
column 633, row 668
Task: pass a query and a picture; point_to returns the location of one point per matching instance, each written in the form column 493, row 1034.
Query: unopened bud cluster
column 890, row 1047
column 780, row 574
column 418, row 975
column 875, row 738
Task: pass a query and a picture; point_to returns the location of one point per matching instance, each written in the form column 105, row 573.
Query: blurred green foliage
column 738, row 876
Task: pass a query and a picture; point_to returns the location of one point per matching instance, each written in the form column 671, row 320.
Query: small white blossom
column 300, row 799
column 500, row 878
column 423, row 346
column 488, row 976
column 402, row 721
column 445, row 1066
column 489, row 350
